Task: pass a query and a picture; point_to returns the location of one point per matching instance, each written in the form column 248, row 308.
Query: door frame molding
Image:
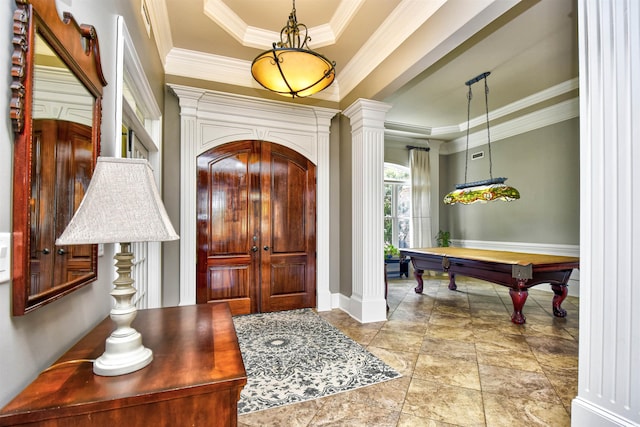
column 209, row 119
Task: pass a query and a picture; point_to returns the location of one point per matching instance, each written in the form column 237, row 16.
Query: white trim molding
column 367, row 302
column 210, row 119
column 608, row 368
column 548, row 116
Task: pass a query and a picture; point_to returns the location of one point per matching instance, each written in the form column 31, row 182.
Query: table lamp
column 122, row 205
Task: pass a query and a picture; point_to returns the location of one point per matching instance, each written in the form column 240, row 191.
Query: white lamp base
column 124, row 352
column 122, row 355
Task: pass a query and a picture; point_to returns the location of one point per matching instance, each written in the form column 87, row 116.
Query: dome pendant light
column 290, row 68
column 489, row 189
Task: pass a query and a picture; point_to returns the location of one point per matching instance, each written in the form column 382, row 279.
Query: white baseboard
column 584, row 413
column 345, row 304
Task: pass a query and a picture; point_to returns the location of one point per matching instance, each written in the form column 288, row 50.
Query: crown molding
column 260, row 38
column 198, row 65
column 343, row 15
column 425, row 132
column 160, row 27
column 405, row 19
column 406, row 131
column 222, row 69
column 544, row 117
column 514, row 107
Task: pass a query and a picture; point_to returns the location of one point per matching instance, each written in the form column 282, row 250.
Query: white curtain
column 420, row 198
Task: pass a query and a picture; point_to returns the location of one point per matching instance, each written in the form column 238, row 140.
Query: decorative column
column 609, row 368
column 323, row 211
column 367, row 303
column 188, row 100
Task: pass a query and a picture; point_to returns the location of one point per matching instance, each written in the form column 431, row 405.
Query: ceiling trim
column 405, row 19
column 557, row 113
column 222, row 69
column 160, row 27
column 260, row 38
column 343, row 16
column 413, row 131
column 206, row 66
column 514, row 107
column 401, row 24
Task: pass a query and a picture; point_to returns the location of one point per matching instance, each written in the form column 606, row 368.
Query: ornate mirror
column 56, row 112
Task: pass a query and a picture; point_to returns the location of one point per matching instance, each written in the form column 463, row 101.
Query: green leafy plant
column 443, row 238
column 390, row 250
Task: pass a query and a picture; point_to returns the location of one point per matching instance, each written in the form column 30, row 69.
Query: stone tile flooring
column 463, row 362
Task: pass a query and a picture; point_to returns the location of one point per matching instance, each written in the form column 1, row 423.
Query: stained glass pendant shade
column 486, row 190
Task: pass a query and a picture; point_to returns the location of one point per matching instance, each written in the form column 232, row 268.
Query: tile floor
column 463, row 362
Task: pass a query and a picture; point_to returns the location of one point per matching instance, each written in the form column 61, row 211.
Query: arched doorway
column 256, row 227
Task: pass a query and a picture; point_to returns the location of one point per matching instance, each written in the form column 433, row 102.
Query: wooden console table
column 195, row 377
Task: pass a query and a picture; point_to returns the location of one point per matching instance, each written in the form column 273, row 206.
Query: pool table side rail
column 496, row 272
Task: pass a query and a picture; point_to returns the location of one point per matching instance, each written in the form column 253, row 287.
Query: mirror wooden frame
column 77, row 46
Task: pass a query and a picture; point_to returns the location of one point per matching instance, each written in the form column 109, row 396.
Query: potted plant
column 390, row 250
column 443, row 238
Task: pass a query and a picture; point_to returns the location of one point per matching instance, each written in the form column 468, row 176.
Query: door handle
column 254, row 249
column 61, row 251
column 45, row 251
column 266, row 248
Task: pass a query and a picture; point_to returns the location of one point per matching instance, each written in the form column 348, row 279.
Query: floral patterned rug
column 294, row 356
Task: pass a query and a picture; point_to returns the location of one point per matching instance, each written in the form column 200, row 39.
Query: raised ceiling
column 413, row 54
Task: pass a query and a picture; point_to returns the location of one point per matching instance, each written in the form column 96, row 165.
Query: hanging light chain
column 469, row 83
column 290, row 35
column 486, row 104
column 466, row 160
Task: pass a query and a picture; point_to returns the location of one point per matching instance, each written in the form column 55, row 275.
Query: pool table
column 516, row 270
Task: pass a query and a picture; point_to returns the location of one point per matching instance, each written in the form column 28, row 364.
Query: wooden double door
column 256, row 228
column 61, row 169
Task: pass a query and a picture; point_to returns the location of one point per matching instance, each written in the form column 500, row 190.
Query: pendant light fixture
column 290, row 68
column 489, row 189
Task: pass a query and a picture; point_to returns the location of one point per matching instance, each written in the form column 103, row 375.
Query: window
column 397, row 205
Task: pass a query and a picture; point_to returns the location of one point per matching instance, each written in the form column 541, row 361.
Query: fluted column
column 189, row 99
column 323, row 211
column 367, row 303
column 609, row 368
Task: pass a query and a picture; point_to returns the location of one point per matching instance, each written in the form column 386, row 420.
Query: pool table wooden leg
column 418, row 275
column 452, row 281
column 518, row 296
column 560, row 292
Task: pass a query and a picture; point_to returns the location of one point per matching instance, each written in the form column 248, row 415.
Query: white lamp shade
column 122, row 204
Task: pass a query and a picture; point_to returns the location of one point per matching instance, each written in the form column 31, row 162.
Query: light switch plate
column 5, row 257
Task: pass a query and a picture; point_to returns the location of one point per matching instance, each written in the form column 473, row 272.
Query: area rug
column 294, row 356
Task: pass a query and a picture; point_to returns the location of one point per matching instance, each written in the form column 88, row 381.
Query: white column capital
column 367, row 113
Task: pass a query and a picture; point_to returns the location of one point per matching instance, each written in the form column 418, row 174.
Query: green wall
column 171, row 197
column 345, row 206
column 544, row 165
